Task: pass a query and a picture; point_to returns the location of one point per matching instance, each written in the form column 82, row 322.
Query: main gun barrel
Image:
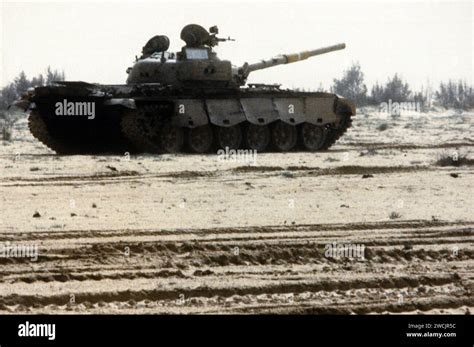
column 289, row 58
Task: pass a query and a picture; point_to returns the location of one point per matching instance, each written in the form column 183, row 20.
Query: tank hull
column 81, row 118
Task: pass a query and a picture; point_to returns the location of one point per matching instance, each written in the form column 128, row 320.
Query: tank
column 187, row 101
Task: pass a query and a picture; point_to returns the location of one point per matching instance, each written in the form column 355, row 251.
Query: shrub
column 382, row 127
column 6, row 132
column 394, row 215
column 351, row 85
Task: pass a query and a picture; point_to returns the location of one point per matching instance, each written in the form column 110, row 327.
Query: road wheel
column 312, row 136
column 230, row 137
column 171, row 138
column 140, row 128
column 284, row 136
column 199, row 139
column 257, row 137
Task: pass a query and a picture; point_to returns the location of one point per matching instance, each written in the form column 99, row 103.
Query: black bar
column 377, row 330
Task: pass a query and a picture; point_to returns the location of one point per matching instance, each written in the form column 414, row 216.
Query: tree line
column 451, row 94
column 22, row 83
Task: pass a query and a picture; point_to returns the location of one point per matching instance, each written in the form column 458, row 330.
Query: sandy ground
column 194, row 234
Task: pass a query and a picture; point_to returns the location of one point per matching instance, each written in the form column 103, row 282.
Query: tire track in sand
column 272, row 269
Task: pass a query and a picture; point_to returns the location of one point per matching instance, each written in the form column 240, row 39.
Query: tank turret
column 197, row 65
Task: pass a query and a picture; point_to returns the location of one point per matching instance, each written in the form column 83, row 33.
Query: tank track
column 136, row 128
column 335, row 134
column 40, row 131
column 69, row 143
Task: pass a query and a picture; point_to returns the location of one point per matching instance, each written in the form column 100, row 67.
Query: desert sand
column 194, row 234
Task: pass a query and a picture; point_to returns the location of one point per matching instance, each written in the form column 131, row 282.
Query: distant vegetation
column 21, row 83
column 352, row 85
column 451, row 94
column 394, row 215
column 455, row 95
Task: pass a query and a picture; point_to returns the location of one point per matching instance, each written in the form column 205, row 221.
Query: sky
column 424, row 41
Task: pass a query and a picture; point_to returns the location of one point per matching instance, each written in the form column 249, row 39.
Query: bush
column 394, row 215
column 6, row 132
column 382, row 127
column 21, row 84
column 395, row 89
column 351, row 85
column 455, row 95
